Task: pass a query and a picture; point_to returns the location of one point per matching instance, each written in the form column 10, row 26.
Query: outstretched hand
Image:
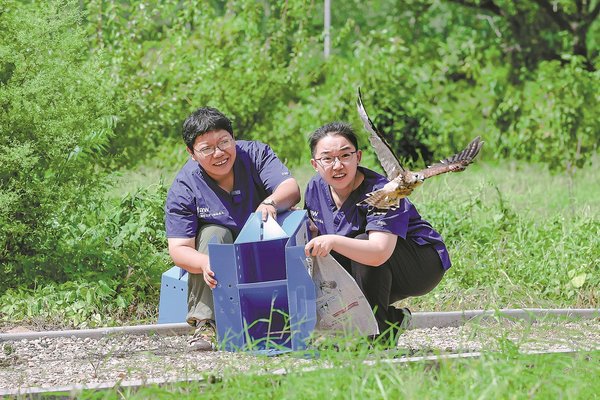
column 320, row 246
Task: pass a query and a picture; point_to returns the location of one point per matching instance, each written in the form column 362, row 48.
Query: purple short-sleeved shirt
column 351, row 220
column 195, row 199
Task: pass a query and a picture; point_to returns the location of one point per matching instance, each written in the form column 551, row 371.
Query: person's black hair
column 332, row 129
column 203, row 120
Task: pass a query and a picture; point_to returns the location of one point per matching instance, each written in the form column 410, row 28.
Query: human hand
column 209, row 277
column 266, row 210
column 320, row 246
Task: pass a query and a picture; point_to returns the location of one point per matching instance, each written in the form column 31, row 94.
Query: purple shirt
column 195, row 199
column 351, row 220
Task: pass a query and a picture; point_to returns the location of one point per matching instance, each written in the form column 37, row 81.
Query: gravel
column 63, row 361
column 498, row 335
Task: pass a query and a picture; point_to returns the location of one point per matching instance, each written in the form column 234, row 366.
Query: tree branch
column 558, row 18
column 487, row 5
column 593, row 14
column 579, row 5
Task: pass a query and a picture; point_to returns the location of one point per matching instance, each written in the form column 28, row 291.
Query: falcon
column 402, row 181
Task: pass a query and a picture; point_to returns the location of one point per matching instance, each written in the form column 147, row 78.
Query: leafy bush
column 76, row 304
column 169, row 59
column 112, row 256
column 83, row 94
column 122, row 241
column 56, row 119
column 550, row 118
column 436, row 75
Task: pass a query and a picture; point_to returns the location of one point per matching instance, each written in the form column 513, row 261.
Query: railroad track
column 133, row 356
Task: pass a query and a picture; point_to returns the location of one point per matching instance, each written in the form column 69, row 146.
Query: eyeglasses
column 210, row 150
column 329, row 161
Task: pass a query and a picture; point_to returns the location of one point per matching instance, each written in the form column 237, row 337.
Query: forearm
column 188, row 258
column 286, row 195
column 374, row 251
column 368, row 252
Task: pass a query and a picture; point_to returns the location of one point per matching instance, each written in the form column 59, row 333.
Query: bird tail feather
column 381, row 199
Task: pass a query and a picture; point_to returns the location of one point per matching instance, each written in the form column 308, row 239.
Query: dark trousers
column 412, row 270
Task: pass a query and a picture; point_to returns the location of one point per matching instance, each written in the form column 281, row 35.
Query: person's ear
column 314, row 164
column 358, row 156
column 190, row 152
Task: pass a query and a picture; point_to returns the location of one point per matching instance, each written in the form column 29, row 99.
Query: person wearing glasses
column 392, row 254
column 224, row 181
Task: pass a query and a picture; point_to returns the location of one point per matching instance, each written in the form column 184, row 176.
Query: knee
column 222, row 234
column 427, row 285
column 216, row 234
column 368, row 274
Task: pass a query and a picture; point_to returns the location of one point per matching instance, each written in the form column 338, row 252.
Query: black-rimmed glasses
column 210, row 150
column 328, row 161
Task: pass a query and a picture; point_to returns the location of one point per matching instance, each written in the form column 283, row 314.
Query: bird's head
column 417, row 178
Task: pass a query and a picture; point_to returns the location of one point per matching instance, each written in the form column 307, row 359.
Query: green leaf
column 579, row 280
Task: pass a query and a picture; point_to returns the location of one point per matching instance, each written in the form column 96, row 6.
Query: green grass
column 518, row 236
column 504, row 375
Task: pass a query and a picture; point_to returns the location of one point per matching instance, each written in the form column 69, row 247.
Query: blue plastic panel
column 266, row 316
column 265, row 299
column 301, row 297
column 172, row 307
column 261, row 261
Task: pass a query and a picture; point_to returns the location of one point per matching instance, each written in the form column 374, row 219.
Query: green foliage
column 437, row 74
column 90, row 87
column 551, row 118
column 513, row 243
column 70, row 305
column 111, row 255
column 123, row 242
column 56, row 119
column 171, row 57
column 430, row 95
column 519, row 251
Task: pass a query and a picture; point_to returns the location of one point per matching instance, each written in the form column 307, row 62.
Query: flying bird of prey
column 402, row 181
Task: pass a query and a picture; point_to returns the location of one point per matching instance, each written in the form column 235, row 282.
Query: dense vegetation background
column 93, row 92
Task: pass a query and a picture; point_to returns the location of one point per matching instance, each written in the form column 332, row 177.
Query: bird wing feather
column 456, row 163
column 387, row 159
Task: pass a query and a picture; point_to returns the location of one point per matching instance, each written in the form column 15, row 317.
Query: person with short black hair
column 224, row 181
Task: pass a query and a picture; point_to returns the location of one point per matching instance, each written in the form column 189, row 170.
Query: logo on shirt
column 380, row 223
column 204, row 212
column 315, row 216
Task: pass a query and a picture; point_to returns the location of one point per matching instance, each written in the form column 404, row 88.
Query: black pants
column 412, row 270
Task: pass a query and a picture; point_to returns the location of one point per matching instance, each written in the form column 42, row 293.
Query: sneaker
column 204, row 338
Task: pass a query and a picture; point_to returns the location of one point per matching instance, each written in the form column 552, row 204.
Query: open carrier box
column 265, row 297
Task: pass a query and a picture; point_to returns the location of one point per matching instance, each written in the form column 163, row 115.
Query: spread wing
column 455, row 163
column 386, row 157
